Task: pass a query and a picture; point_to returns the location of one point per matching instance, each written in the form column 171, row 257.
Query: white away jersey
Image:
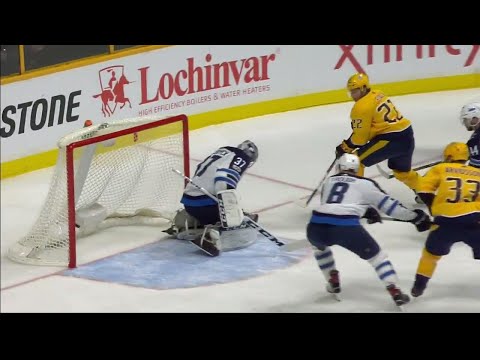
column 220, row 171
column 345, row 198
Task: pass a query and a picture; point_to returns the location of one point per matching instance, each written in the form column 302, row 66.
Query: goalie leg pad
column 184, row 221
column 207, row 241
column 189, row 234
column 237, row 238
column 184, row 226
column 231, row 214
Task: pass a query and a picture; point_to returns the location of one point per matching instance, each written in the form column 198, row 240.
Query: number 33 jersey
column 220, row 171
column 456, row 188
column 346, row 197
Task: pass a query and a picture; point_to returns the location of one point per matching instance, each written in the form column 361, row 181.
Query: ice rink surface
column 295, row 149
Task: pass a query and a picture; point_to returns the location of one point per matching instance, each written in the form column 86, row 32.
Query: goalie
column 217, row 227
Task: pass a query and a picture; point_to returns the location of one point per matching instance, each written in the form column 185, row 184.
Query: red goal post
column 112, row 174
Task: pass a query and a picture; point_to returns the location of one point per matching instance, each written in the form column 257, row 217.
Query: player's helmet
column 456, row 151
column 250, row 149
column 358, row 81
column 348, row 162
column 470, row 116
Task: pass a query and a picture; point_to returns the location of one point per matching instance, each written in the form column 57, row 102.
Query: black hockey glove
column 422, row 221
column 339, row 151
column 372, row 216
column 343, row 148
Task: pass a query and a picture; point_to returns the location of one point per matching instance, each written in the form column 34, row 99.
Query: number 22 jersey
column 374, row 115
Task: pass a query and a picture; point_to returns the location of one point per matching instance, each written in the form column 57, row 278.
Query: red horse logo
column 113, row 92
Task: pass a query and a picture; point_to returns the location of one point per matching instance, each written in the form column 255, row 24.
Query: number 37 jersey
column 220, row 171
column 346, row 197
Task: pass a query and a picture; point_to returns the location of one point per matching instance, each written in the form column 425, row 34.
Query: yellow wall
column 48, row 158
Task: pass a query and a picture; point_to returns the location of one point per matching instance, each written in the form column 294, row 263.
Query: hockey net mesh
column 124, row 180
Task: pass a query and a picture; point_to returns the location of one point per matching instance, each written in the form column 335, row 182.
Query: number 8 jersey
column 345, row 198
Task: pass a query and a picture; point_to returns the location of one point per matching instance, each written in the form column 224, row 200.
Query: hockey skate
column 417, row 291
column 172, row 231
column 205, row 243
column 183, row 223
column 333, row 284
column 419, row 285
column 398, row 297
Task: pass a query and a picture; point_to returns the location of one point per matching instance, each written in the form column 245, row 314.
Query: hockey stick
column 248, row 221
column 390, row 176
column 392, row 219
column 304, row 204
column 304, row 243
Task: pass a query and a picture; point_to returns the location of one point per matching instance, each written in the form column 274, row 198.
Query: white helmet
column 470, row 116
column 348, row 162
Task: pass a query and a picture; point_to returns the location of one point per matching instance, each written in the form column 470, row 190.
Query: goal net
column 112, row 174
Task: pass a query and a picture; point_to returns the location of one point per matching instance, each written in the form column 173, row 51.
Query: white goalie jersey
column 220, row 171
column 345, row 198
column 219, row 174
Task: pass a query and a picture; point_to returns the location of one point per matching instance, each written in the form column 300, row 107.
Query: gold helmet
column 358, row 81
column 456, row 151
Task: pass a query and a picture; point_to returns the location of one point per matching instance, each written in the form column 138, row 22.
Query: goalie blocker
column 231, row 215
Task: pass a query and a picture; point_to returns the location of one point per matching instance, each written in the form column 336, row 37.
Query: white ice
column 295, row 149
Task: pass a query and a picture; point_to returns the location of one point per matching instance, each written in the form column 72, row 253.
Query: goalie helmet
column 456, row 151
column 470, row 116
column 249, row 148
column 348, row 162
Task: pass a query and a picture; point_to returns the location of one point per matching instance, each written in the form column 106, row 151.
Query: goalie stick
column 247, row 220
column 386, row 175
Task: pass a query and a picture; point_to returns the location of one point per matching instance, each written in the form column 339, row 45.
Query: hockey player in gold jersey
column 451, row 190
column 379, row 132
